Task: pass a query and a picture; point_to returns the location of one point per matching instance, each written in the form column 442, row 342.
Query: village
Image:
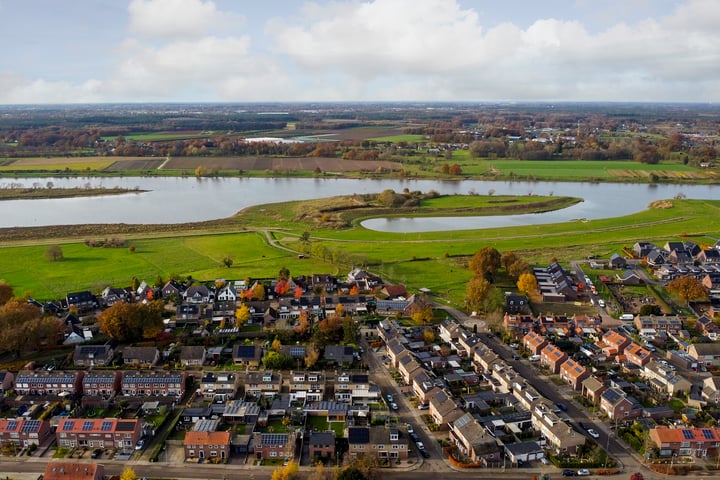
column 344, row 370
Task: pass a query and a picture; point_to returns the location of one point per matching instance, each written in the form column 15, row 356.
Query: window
column 273, row 454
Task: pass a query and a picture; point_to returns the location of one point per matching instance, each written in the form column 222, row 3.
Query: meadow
column 435, row 260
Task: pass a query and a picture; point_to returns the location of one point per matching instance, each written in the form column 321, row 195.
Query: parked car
column 425, row 453
column 410, row 428
column 422, row 406
column 140, row 444
column 415, row 437
column 516, row 356
column 514, row 346
column 394, row 406
column 601, row 303
column 593, row 433
column 97, row 453
column 585, row 426
column 420, row 446
column 545, row 461
column 389, row 398
column 562, row 407
column 569, row 473
column 583, row 472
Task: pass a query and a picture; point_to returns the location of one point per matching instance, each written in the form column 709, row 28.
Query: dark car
column 562, row 407
column 415, row 437
column 424, row 453
column 585, row 426
column 97, row 453
column 569, row 473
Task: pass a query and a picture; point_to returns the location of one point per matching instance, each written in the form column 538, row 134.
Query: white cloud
column 179, row 19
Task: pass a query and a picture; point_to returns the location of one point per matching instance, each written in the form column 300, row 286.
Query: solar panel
column 688, row 434
column 69, row 425
column 106, row 426
column 88, row 425
column 708, row 434
column 12, row 425
column 30, row 425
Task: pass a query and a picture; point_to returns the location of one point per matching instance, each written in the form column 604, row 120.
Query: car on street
column 562, row 407
column 585, row 426
column 415, row 437
column 601, row 303
column 516, row 356
column 394, row 406
column 583, row 472
column 422, row 406
column 514, row 346
column 389, row 398
column 425, row 453
column 569, row 473
column 140, row 444
column 410, row 428
column 97, row 453
column 420, row 446
column 593, row 433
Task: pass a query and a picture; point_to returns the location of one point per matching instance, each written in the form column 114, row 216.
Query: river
column 182, row 199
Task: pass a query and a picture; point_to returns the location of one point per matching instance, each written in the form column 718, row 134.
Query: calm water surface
column 175, row 200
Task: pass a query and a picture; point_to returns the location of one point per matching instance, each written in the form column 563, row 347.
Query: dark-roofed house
column 473, row 440
column 263, row 384
column 306, row 386
column 522, row 452
column 322, row 446
column 379, row 442
column 6, row 381
column 444, row 409
column 274, row 445
column 140, row 357
column 219, row 386
column 339, row 354
column 197, row 294
column 247, row 355
column 83, row 301
column 617, row 405
column 42, row 382
column 24, row 431
column 98, row 433
column 172, row 288
column 153, row 383
column 617, row 262
column 101, row 383
column 92, row 355
column 192, row 355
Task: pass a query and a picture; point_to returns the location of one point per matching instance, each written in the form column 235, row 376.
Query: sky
column 99, row 51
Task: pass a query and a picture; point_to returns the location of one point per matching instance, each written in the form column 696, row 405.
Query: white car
column 420, row 445
column 593, row 433
column 394, row 406
column 410, row 428
column 583, row 472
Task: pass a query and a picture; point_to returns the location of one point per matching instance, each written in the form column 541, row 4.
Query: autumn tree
column 6, row 293
column 132, row 321
column 128, row 474
column 387, row 198
column 228, row 261
column 54, row 253
column 527, row 283
column 298, row 292
column 303, row 326
column 276, row 345
column 23, row 327
column 284, row 274
column 428, row 336
column 485, row 262
column 687, row 289
column 422, row 314
column 288, row 472
column 476, row 292
column 258, row 292
column 242, row 314
column 517, row 268
column 282, row 287
column 354, row 290
column 311, row 356
column 321, row 472
column 508, row 258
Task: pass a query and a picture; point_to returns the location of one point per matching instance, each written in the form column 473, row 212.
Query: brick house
column 573, row 373
column 42, row 382
column 219, row 386
column 705, row 353
column 23, row 432
column 637, row 355
column 98, row 433
column 617, row 405
column 207, row 445
column 153, row 383
column 685, row 442
column 192, row 355
column 592, row 389
column 614, row 343
column 552, row 357
column 355, row 388
column 322, row 445
column 7, row 379
column 92, row 355
column 534, row 342
column 444, row 409
column 73, row 471
column 307, row 386
column 247, row 355
column 378, row 442
column 101, row 383
column 274, row 445
column 259, row 384
column 474, row 441
column 141, row 357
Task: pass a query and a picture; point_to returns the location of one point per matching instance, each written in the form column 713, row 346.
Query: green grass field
column 57, row 166
column 435, row 260
column 409, row 138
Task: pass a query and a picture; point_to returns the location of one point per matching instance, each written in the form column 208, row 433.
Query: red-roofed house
column 534, row 342
column 614, row 343
column 207, row 445
column 23, row 431
column 573, row 373
column 552, row 357
column 637, row 355
column 98, row 432
column 685, row 442
column 74, row 471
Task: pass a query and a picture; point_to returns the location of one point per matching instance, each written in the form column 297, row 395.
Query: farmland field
column 278, row 164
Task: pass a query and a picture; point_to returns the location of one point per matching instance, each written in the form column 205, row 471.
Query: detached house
column 378, row 442
column 247, row 355
column 637, row 355
column 198, row 294
column 141, row 357
column 322, row 445
column 92, row 355
column 573, row 373
column 614, row 343
column 192, row 355
column 474, row 441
